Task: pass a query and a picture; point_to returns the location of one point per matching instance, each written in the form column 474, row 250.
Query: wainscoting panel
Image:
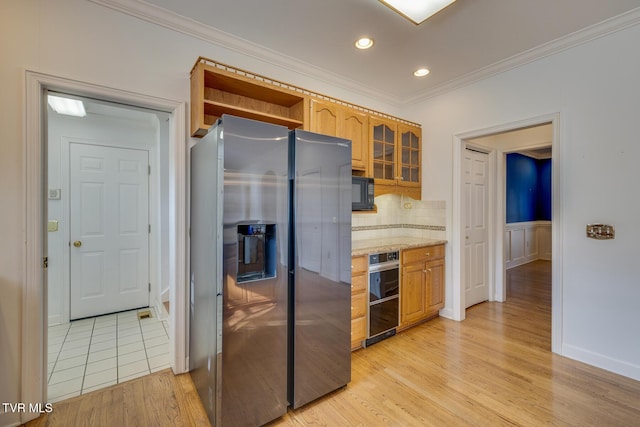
column 526, row 242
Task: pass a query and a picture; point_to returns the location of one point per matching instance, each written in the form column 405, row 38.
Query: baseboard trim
column 57, row 319
column 601, row 361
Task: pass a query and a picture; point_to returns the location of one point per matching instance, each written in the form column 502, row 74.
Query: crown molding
column 172, row 21
column 190, row 27
column 587, row 34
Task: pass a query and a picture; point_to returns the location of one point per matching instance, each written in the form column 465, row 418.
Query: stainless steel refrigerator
column 270, row 269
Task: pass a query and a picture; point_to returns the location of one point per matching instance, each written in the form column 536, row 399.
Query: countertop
column 369, row 246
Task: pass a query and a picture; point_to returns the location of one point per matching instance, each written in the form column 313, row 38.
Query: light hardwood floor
column 495, row 368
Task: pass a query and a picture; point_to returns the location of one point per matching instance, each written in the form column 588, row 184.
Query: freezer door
column 321, row 259
column 206, row 271
column 254, row 328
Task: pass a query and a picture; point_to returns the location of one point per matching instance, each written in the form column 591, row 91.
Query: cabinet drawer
column 423, row 253
column 358, row 331
column 358, row 305
column 359, row 283
column 359, row 264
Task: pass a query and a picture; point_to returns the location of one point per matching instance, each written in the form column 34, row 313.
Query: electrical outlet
column 407, row 205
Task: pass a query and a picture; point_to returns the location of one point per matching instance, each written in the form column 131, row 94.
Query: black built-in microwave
column 361, row 193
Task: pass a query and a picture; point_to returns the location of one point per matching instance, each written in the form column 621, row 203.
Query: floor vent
column 144, row 314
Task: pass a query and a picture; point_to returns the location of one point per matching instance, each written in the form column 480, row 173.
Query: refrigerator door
column 320, row 253
column 254, row 328
column 206, row 271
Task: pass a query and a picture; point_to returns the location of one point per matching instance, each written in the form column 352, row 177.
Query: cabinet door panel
column 324, row 117
column 383, row 159
column 354, row 125
column 412, row 296
column 435, row 285
column 409, row 157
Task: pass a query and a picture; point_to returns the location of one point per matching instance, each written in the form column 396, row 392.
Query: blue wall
column 528, row 189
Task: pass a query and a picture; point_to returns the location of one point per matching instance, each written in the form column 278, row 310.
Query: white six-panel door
column 109, row 229
column 475, row 227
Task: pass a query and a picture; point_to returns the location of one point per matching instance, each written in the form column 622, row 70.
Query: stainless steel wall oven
column 384, row 286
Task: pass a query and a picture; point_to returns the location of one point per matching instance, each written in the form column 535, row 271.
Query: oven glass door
column 383, row 316
column 383, row 283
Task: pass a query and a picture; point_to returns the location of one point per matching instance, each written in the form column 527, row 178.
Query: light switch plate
column 600, row 231
column 54, row 194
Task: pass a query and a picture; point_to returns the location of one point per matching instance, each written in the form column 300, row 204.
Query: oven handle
column 384, row 266
column 389, row 298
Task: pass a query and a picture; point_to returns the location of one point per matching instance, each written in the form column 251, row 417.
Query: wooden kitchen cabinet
column 409, row 156
column 225, row 90
column 384, row 147
column 359, row 279
column 422, row 284
column 338, row 120
column 395, row 159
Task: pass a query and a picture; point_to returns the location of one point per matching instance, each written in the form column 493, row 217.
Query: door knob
column 77, row 243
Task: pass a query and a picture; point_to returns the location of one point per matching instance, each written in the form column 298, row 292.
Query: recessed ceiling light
column 68, row 106
column 421, row 72
column 417, row 10
column 364, row 43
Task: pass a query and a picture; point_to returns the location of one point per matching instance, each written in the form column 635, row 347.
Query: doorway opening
column 36, row 306
column 495, row 143
column 107, row 216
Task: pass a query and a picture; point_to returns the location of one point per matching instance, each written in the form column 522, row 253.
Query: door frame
column 34, row 309
column 154, row 214
column 497, row 190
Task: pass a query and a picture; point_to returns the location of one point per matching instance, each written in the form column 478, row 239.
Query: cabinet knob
column 428, row 254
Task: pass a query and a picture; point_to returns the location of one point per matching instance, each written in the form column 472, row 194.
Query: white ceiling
column 470, row 38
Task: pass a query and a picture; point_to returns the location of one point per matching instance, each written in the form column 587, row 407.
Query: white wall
column 594, row 88
column 141, row 133
column 80, row 40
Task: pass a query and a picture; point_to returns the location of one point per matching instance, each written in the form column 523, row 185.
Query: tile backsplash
column 400, row 216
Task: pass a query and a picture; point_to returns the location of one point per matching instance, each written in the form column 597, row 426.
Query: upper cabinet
column 384, row 151
column 355, row 126
column 384, row 147
column 339, row 120
column 395, row 157
column 216, row 91
column 409, row 158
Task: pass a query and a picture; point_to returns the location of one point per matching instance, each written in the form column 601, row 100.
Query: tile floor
column 94, row 353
